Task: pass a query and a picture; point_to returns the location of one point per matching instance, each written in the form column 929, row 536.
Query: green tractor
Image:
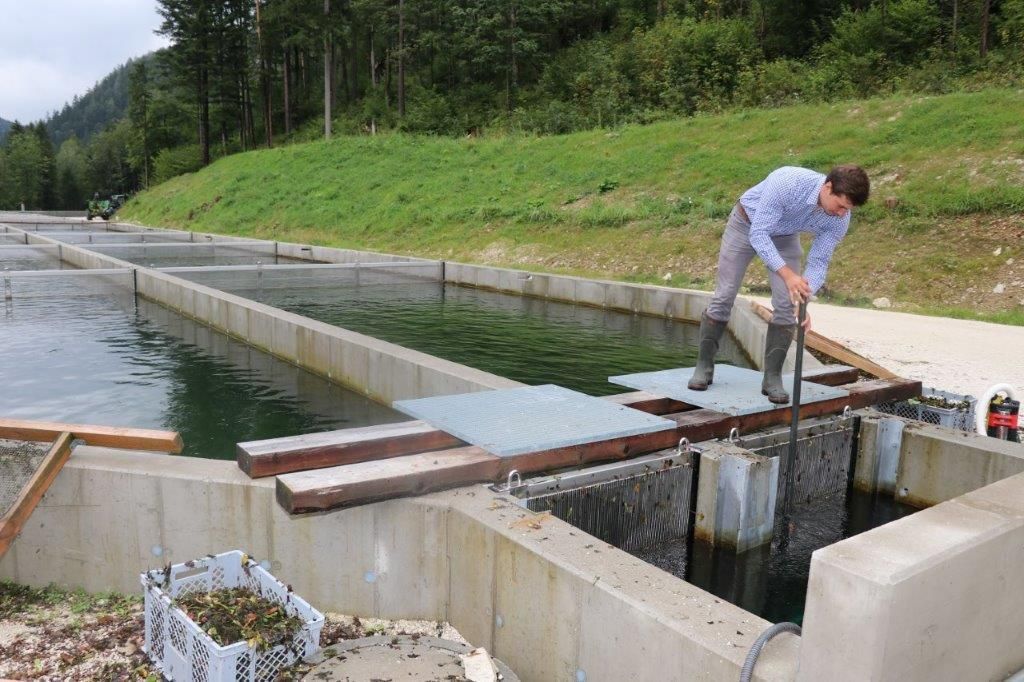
column 104, row 208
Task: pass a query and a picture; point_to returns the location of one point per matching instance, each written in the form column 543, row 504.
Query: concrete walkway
column 963, row 356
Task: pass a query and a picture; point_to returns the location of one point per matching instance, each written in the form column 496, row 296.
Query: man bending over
column 767, row 222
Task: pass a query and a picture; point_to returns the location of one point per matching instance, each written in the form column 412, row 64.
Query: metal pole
column 795, row 423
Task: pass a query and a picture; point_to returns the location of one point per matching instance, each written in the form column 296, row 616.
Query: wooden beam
column 415, row 474
column 346, row 446
column 834, row 349
column 14, row 520
column 276, row 456
column 104, row 436
column 343, row 486
column 349, row 485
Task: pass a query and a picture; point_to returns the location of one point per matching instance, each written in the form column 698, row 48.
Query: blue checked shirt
column 784, row 203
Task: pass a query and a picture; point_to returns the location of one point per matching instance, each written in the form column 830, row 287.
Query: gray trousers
column 733, row 259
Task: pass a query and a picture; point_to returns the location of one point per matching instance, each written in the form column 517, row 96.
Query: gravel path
column 963, row 356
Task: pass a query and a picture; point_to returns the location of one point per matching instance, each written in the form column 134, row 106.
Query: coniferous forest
column 243, row 74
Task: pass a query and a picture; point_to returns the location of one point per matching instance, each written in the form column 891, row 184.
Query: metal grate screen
column 631, row 505
column 18, row 461
column 824, row 456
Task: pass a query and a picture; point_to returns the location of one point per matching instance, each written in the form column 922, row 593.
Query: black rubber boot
column 775, row 348
column 710, row 334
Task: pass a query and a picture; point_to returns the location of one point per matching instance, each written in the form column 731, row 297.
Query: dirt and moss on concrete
column 52, row 635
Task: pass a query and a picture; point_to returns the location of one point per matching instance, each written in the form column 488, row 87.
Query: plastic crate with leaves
column 936, row 407
column 181, row 650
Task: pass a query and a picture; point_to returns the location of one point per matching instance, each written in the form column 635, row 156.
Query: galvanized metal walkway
column 735, row 391
column 514, row 421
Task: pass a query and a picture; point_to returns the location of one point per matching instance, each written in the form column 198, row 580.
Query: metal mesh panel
column 824, row 455
column 60, row 284
column 960, row 417
column 632, row 505
column 18, row 461
column 299, row 276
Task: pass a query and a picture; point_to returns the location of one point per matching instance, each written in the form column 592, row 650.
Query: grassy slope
column 641, row 202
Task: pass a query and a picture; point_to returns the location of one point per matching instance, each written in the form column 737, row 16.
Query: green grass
column 643, row 202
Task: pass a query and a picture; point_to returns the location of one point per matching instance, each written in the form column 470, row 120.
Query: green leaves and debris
column 237, row 614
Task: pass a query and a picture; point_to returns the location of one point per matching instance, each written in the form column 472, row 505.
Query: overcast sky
column 52, row 50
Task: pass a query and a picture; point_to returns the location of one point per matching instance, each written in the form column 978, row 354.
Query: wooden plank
column 104, row 436
column 347, row 485
column 354, row 484
column 345, row 446
column 834, row 349
column 276, row 456
column 14, row 520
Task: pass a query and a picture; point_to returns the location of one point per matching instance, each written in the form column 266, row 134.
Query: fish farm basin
column 899, row 553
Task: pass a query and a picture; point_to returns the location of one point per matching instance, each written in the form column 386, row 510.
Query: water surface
column 105, row 358
column 531, row 340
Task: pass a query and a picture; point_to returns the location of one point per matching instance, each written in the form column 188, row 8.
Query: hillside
column 103, row 104
column 647, row 203
column 5, row 125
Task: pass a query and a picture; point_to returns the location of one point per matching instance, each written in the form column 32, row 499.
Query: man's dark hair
column 851, row 181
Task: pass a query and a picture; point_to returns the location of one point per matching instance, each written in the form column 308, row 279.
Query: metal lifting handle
column 684, row 446
column 513, row 476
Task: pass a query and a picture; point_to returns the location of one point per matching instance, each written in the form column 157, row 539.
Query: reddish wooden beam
column 346, row 446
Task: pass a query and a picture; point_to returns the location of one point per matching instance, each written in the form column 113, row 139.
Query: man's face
column 833, row 204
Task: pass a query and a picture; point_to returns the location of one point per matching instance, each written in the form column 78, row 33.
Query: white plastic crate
column 954, row 418
column 184, row 653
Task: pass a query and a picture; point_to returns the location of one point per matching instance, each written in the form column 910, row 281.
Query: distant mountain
column 105, row 103
column 4, row 127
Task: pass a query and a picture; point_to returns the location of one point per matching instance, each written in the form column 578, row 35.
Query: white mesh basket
column 960, row 418
column 184, row 653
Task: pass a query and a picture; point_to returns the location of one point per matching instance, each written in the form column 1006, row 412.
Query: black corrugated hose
column 755, row 650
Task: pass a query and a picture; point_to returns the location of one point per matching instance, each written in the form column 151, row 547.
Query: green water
column 103, row 359
column 531, row 340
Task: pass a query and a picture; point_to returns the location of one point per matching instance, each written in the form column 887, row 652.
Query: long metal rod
column 795, row 423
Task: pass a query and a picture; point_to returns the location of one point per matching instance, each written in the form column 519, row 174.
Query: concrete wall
column 378, row 369
column 736, row 496
column 935, row 596
column 931, row 464
column 677, row 304
column 542, row 596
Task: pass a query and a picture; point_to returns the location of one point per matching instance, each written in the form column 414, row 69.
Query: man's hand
column 799, row 289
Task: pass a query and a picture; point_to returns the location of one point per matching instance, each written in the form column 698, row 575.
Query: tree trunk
column 204, row 115
column 956, row 18
column 327, row 71
column 268, row 109
column 373, row 62
column 344, row 87
column 286, row 81
column 983, row 45
column 401, row 58
column 512, row 75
